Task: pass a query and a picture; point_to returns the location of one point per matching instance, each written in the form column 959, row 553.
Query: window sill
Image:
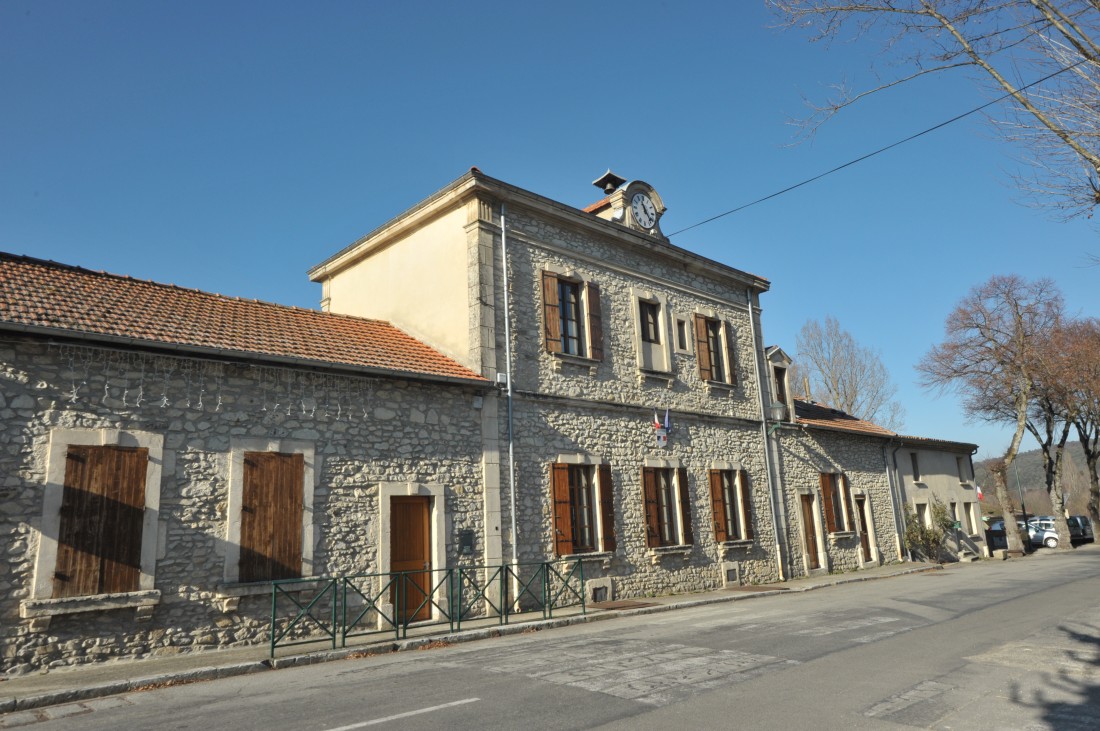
column 721, row 388
column 41, row 610
column 666, row 378
column 561, row 359
column 604, row 557
column 841, row 535
column 230, row 594
column 657, row 552
column 741, row 543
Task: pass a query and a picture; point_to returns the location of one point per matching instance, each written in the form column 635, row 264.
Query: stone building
column 493, row 378
column 165, row 452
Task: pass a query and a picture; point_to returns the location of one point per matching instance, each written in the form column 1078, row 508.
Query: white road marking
column 404, row 715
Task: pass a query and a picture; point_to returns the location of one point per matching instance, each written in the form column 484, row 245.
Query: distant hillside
column 1075, row 481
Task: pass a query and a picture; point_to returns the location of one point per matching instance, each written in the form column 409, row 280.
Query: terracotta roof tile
column 814, row 414
column 597, row 206
column 45, row 294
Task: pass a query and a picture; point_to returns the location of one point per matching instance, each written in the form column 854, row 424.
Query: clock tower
column 635, row 204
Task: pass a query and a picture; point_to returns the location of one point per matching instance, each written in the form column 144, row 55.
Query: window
column 576, row 497
column 667, row 507
column 922, row 514
column 650, row 316
column 271, row 516
column 731, row 503
column 780, row 384
column 837, row 499
column 960, row 465
column 681, row 335
column 916, row 466
column 102, row 508
column 714, row 344
column 968, row 518
column 572, row 318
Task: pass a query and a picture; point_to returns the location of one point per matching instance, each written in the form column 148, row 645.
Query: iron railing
column 332, row 610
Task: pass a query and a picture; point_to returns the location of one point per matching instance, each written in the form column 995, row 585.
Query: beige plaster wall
column 418, row 284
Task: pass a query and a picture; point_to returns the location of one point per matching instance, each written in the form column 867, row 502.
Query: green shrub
column 928, row 540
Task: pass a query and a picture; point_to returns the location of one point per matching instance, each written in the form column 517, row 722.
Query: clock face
column 645, row 213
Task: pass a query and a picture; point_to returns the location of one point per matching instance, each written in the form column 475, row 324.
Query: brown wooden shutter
column 702, row 349
column 827, row 498
column 685, row 505
column 746, row 503
column 102, row 512
column 563, row 509
column 847, row 495
column 731, row 353
column 595, row 320
column 718, row 506
column 271, row 516
column 551, row 312
column 652, row 518
column 607, row 509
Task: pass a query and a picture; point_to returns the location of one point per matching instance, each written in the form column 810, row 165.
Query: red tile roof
column 45, row 296
column 597, row 206
column 814, row 414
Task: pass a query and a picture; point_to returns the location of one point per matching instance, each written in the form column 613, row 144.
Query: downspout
column 778, row 519
column 508, row 382
column 895, row 495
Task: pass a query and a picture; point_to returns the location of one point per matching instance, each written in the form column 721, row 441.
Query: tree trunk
column 1012, row 534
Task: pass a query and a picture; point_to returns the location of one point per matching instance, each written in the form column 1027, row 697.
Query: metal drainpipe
column 777, row 522
column 895, row 496
column 508, row 381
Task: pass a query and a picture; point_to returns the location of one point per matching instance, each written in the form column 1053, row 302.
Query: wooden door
column 811, row 532
column 410, row 551
column 864, row 537
column 271, row 516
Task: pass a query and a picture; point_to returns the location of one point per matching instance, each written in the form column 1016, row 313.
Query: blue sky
column 229, row 146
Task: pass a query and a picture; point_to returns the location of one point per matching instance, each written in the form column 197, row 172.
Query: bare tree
column 847, row 376
column 991, row 355
column 1084, row 377
column 1056, row 41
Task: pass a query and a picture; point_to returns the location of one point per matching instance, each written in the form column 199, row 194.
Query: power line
column 891, row 146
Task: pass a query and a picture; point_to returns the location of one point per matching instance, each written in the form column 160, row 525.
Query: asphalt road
column 997, row 645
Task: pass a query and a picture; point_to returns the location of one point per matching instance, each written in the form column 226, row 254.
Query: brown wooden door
column 410, row 551
column 271, row 516
column 102, row 509
column 811, row 531
column 864, row 539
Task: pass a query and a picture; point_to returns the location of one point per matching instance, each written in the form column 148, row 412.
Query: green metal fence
column 332, row 610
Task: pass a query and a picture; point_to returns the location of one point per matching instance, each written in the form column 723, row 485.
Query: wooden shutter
column 102, row 511
column 685, row 505
column 595, row 320
column 607, row 509
column 718, row 506
column 271, row 516
column 702, row 349
column 827, row 498
column 843, row 484
column 746, row 503
column 563, row 509
column 551, row 312
column 652, row 517
column 731, row 353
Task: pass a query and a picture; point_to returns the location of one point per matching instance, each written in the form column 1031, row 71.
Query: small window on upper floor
column 780, row 384
column 960, row 465
column 714, row 347
column 916, row 466
column 572, row 317
column 650, row 313
column 682, row 340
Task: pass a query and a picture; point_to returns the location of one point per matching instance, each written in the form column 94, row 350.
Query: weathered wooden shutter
column 731, row 353
column 827, row 498
column 551, row 312
column 718, row 506
column 685, row 505
column 702, row 349
column 102, row 511
column 842, row 480
column 652, row 516
column 595, row 320
column 271, row 516
column 607, row 509
column 563, row 509
column 746, row 503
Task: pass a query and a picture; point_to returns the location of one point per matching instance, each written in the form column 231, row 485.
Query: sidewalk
column 68, row 685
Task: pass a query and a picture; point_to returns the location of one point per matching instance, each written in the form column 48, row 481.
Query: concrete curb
column 73, row 695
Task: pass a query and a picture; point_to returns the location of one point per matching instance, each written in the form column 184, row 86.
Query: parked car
column 1041, row 532
column 1080, row 529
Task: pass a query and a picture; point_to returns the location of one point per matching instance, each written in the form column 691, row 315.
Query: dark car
column 1080, row 529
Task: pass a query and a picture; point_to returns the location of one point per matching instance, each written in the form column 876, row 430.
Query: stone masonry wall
column 365, row 431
